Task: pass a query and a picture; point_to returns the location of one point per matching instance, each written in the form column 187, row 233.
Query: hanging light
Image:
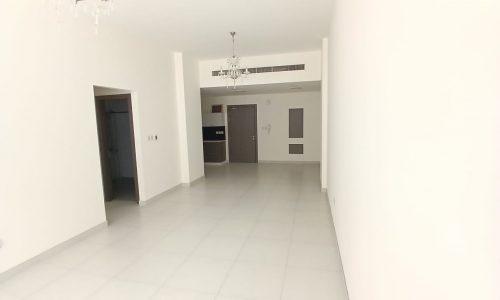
column 96, row 8
column 234, row 72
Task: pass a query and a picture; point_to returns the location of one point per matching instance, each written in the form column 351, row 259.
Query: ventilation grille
column 296, row 148
column 273, row 69
column 296, row 123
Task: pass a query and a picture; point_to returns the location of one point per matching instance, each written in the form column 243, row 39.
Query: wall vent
column 272, row 69
column 295, row 148
column 296, row 123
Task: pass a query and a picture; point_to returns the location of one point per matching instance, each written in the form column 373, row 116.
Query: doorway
column 242, row 133
column 115, row 128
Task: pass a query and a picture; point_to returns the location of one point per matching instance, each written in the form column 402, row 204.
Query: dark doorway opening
column 242, row 133
column 117, row 147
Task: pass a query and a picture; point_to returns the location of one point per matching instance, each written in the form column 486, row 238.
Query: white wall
column 48, row 71
column 311, row 59
column 414, row 147
column 324, row 114
column 210, row 119
column 189, row 114
column 273, row 109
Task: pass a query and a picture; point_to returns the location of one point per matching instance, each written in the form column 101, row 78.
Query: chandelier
column 96, row 8
column 233, row 72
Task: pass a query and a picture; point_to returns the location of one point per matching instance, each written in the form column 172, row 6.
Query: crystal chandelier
column 96, row 8
column 233, row 71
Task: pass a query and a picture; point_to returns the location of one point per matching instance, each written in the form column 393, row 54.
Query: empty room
column 250, row 150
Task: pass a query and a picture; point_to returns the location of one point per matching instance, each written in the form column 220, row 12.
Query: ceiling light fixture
column 96, row 8
column 233, row 72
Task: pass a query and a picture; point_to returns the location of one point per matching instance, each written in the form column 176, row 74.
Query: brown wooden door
column 242, row 133
column 104, row 145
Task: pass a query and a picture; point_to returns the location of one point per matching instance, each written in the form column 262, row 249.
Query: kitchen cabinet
column 214, row 151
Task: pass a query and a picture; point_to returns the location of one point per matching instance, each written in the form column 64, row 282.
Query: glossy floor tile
column 245, row 232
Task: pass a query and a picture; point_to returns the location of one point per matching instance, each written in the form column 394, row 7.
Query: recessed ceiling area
column 289, row 87
column 202, row 27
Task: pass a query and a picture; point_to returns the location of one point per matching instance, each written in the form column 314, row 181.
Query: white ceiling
column 262, row 89
column 202, row 27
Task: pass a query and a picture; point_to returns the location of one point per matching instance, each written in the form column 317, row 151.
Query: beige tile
column 153, row 268
column 220, row 246
column 201, row 274
column 272, row 230
column 72, row 286
column 314, row 256
column 265, row 251
column 254, row 281
column 124, row 290
column 6, row 296
column 179, row 294
column 74, row 254
column 32, row 279
column 108, row 262
column 180, row 242
column 303, row 283
column 315, row 234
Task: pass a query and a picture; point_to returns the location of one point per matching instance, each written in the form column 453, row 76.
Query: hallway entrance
column 117, row 147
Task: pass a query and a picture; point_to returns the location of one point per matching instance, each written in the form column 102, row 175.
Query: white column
column 324, row 114
column 189, row 117
column 181, row 117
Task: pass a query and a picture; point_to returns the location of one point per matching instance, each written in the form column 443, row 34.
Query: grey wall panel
column 296, row 148
column 296, row 123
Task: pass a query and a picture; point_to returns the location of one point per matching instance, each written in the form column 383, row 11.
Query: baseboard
column 188, row 184
column 30, row 262
column 216, row 164
column 289, row 162
column 332, row 208
column 170, row 190
column 160, row 195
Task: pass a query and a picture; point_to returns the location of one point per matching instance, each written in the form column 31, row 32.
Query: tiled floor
column 246, row 232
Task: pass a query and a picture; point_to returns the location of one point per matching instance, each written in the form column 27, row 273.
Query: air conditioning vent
column 296, row 149
column 272, row 69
